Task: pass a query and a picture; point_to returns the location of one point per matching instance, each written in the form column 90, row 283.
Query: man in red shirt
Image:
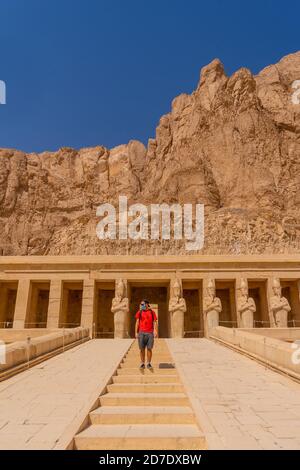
column 145, row 331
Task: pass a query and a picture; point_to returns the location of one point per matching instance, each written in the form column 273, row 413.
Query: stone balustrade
column 36, row 344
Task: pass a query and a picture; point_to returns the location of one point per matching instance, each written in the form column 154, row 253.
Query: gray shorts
column 146, row 340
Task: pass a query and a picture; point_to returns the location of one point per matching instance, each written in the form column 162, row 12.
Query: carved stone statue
column 245, row 307
column 177, row 309
column 120, row 309
column 212, row 306
column 279, row 305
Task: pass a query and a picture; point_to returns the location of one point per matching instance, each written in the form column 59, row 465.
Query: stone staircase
column 146, row 410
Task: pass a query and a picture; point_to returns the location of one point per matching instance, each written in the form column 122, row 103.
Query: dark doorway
column 158, row 296
column 8, row 297
column 193, row 319
column 104, row 318
column 291, row 293
column 39, row 303
column 225, row 290
column 71, row 305
column 258, row 291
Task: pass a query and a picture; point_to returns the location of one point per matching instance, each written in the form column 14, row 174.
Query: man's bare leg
column 142, row 353
column 149, row 355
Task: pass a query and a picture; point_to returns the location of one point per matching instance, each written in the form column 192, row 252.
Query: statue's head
column 211, row 288
column 177, row 288
column 277, row 287
column 244, row 287
column 120, row 288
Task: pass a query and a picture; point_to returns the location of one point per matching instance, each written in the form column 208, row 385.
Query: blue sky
column 89, row 72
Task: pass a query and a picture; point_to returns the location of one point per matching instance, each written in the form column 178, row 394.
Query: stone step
column 142, row 415
column 144, row 399
column 131, row 364
column 154, row 371
column 160, row 341
column 133, row 354
column 154, row 351
column 156, row 347
column 144, row 409
column 145, row 388
column 164, row 356
column 141, row 436
column 155, row 358
column 143, row 379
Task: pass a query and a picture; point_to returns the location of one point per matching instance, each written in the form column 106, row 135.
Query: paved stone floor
column 240, row 403
column 43, row 407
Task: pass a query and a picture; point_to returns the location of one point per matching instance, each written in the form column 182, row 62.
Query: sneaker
column 142, row 366
column 149, row 366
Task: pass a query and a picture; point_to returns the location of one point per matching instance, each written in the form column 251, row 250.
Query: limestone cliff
column 233, row 144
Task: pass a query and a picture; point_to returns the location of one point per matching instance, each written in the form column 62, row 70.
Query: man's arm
column 137, row 327
column 155, row 328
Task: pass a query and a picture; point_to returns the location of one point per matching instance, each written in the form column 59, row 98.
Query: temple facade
column 190, row 294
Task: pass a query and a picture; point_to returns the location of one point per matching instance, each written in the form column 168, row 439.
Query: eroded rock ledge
column 233, row 144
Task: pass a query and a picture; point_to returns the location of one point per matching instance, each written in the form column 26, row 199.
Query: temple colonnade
column 190, row 294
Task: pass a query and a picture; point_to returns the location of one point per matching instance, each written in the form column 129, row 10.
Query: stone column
column 245, row 305
column 297, row 317
column 177, row 309
column 204, row 289
column 212, row 306
column 22, row 303
column 88, row 305
column 3, row 305
column 237, row 292
column 120, row 309
column 55, row 301
column 269, row 296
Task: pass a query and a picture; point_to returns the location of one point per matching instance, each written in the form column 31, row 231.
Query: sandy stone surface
column 233, row 145
column 43, row 407
column 239, row 403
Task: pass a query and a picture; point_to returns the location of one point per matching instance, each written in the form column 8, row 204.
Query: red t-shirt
column 146, row 317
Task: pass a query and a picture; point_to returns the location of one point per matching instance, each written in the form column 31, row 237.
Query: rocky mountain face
column 233, row 145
